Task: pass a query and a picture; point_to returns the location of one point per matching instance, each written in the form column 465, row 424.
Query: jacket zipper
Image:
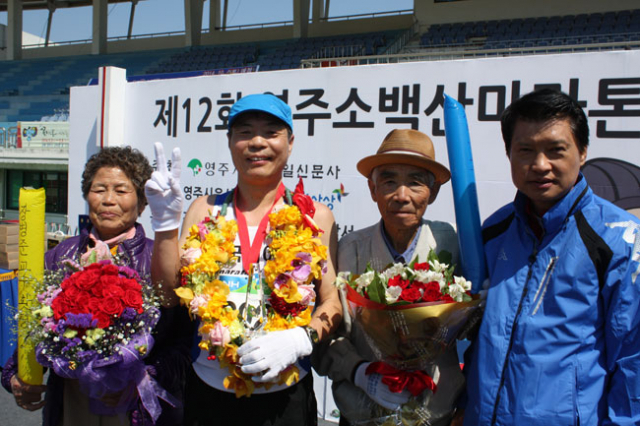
column 542, row 290
column 525, row 290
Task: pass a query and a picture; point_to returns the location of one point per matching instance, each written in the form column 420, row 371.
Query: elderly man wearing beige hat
column 404, row 178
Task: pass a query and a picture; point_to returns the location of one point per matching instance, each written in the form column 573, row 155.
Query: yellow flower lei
column 212, row 241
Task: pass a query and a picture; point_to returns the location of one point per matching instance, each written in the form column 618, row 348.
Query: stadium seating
column 37, row 88
column 544, row 31
column 34, row 89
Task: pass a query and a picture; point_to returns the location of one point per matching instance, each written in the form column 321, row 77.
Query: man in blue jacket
column 559, row 343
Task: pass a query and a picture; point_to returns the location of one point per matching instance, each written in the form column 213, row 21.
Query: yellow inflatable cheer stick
column 31, row 270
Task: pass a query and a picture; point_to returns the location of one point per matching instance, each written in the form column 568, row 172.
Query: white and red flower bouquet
column 94, row 324
column 410, row 315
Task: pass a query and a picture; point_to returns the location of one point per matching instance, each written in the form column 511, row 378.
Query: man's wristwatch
column 312, row 333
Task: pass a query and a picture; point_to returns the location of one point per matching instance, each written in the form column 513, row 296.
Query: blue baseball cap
column 266, row 103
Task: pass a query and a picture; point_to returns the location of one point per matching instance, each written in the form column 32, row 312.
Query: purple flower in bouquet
column 301, row 273
column 83, row 321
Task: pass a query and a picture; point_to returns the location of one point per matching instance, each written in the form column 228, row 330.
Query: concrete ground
column 12, row 415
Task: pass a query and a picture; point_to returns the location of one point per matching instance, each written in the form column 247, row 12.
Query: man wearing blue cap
column 260, row 141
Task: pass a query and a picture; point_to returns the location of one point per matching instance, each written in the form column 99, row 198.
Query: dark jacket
column 170, row 356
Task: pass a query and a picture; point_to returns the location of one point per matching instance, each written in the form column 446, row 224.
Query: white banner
column 342, row 114
column 43, row 134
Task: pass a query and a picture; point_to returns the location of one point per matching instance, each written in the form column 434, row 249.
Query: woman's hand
column 27, row 396
column 163, row 191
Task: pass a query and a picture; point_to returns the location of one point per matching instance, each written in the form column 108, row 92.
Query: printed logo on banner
column 195, row 165
column 340, row 192
column 329, row 200
column 29, row 132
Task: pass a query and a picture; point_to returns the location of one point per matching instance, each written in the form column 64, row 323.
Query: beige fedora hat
column 406, row 146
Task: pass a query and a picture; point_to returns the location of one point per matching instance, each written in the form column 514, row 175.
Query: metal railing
column 114, row 38
column 255, row 26
column 8, row 137
column 401, row 41
column 461, row 53
column 368, row 15
column 340, row 51
column 328, row 19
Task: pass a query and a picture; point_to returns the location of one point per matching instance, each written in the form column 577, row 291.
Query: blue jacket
column 559, row 343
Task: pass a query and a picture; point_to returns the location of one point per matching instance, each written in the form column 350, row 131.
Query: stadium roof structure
column 46, row 4
column 15, row 9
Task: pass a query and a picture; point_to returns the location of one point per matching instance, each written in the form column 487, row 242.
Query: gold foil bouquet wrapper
column 410, row 337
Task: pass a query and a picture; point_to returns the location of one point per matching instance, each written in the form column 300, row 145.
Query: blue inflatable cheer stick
column 465, row 196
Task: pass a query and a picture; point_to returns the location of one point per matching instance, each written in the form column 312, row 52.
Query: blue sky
column 157, row 16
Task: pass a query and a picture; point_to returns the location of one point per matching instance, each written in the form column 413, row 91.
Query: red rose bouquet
column 94, row 324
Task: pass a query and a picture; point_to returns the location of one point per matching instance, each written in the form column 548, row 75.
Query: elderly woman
column 113, row 186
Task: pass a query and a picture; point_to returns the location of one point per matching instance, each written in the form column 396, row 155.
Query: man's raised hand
column 163, row 191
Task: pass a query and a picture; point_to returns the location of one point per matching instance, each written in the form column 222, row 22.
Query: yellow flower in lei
column 297, row 259
column 240, row 383
column 208, row 248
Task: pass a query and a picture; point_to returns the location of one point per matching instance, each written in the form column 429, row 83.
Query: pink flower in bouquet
column 219, row 335
column 48, row 324
column 202, row 228
column 198, row 301
column 190, row 255
column 308, row 294
column 301, row 273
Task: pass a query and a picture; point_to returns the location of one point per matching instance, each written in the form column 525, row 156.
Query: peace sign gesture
column 163, row 191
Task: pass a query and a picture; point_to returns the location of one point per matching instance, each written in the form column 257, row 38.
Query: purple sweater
column 170, row 357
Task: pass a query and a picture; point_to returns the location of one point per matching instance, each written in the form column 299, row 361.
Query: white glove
column 274, row 352
column 378, row 391
column 163, row 191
